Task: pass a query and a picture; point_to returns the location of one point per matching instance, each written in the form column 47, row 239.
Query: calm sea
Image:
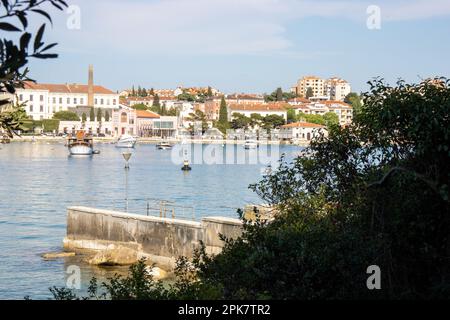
column 38, row 181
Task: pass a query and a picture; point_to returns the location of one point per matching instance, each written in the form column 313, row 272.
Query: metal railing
column 149, row 207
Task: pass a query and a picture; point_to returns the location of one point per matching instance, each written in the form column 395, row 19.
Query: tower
column 91, row 86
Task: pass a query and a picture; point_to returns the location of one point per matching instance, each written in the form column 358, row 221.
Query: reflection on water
column 38, row 181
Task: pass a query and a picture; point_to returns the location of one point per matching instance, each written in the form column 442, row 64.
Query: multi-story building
column 41, row 100
column 301, row 131
column 331, row 89
column 279, row 109
column 337, row 89
column 343, row 110
column 316, row 84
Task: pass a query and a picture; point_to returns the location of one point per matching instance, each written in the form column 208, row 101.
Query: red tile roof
column 302, row 125
column 260, row 107
column 66, row 88
column 147, row 114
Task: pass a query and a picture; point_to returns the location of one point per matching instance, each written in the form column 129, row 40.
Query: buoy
column 186, row 166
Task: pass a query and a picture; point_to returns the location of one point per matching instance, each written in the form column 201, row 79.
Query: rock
column 114, row 256
column 57, row 255
column 156, row 273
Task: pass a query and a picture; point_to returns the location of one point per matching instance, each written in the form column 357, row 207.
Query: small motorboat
column 163, row 145
column 81, row 144
column 186, row 166
column 251, row 144
column 126, row 141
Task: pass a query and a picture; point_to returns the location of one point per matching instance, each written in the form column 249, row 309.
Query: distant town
column 312, row 103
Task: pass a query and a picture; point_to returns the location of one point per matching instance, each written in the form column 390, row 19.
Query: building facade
column 301, row 131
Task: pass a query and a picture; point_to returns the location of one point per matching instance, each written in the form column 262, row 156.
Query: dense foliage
column 373, row 193
column 15, row 54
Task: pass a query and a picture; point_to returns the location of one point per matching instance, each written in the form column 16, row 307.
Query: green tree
column 152, row 92
column 223, row 112
column 198, row 117
column 92, row 114
column 133, row 92
column 15, row 52
column 240, row 121
column 209, row 93
column 273, row 121
column 331, row 119
column 279, row 95
column 84, row 117
column 99, row 115
column 354, row 100
column 107, row 116
column 66, row 116
column 140, row 106
column 291, row 115
column 309, row 93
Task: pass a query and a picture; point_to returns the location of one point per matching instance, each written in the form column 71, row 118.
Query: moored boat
column 251, row 144
column 164, row 145
column 81, row 144
column 126, row 141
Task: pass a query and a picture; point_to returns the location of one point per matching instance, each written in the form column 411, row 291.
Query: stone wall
column 162, row 240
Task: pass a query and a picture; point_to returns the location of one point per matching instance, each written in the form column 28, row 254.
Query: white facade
column 41, row 101
column 337, row 89
column 301, row 131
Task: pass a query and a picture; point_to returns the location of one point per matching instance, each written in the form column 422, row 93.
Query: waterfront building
column 42, row 100
column 301, row 132
column 343, row 110
column 263, row 110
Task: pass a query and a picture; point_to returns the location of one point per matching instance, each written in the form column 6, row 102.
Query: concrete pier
column 162, row 240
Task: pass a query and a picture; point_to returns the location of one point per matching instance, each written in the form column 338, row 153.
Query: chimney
column 91, row 86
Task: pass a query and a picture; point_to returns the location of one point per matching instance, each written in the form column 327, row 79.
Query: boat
column 126, row 141
column 251, row 144
column 81, row 144
column 164, row 145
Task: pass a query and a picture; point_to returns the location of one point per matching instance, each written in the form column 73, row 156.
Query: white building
column 337, row 89
column 301, row 131
column 41, row 100
column 247, row 110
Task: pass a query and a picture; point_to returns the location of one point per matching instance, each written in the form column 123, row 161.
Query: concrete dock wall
column 163, row 240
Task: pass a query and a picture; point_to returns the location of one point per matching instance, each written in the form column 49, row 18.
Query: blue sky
column 247, row 45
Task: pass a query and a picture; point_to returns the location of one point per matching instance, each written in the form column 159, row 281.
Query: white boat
column 81, row 144
column 163, row 145
column 126, row 141
column 251, row 144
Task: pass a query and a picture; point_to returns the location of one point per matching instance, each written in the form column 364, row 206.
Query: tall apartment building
column 316, row 84
column 330, row 89
column 337, row 89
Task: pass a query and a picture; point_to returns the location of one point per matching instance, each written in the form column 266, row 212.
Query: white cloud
column 219, row 26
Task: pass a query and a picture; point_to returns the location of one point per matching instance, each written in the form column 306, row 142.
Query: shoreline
column 111, row 140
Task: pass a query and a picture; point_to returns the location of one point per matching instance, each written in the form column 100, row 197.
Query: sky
column 245, row 45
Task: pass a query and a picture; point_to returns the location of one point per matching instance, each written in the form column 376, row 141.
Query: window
column 21, row 97
column 41, row 108
column 54, row 100
column 31, row 108
column 31, row 97
column 114, row 101
column 123, row 117
column 41, row 98
column 81, row 101
column 95, row 101
column 68, row 100
column 101, row 101
column 107, row 102
column 60, row 100
column 74, row 100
